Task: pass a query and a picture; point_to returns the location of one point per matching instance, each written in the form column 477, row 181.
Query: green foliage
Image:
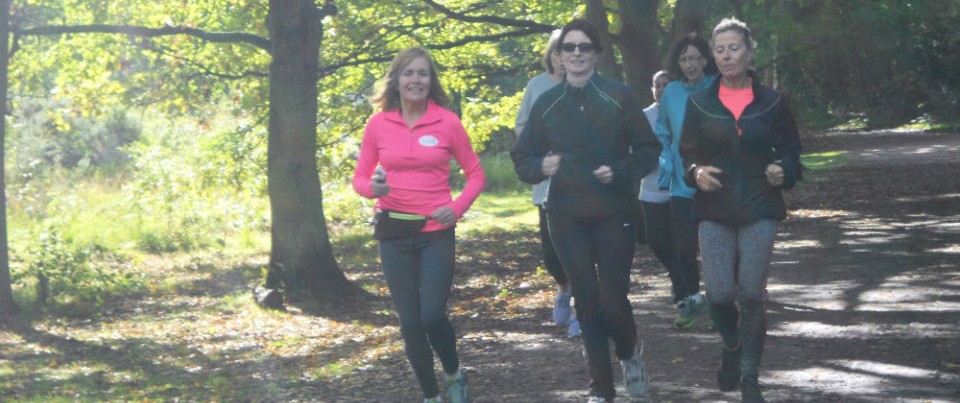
column 344, row 207
column 65, row 276
column 173, row 74
column 66, row 219
column 183, row 200
column 500, row 173
column 56, row 134
column 887, row 61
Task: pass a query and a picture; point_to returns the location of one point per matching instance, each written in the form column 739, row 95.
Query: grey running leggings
column 735, row 261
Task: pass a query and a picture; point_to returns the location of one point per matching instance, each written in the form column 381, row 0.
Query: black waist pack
column 390, row 224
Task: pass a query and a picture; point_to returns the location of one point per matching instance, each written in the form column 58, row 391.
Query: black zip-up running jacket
column 599, row 124
column 769, row 135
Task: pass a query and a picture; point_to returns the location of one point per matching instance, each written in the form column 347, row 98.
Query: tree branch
column 533, row 26
column 220, row 37
column 486, row 38
column 330, row 68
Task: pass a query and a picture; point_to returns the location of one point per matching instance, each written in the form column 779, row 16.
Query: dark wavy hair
column 587, row 28
column 695, row 40
column 387, row 96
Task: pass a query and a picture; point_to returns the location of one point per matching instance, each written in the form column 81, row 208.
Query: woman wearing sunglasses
column 591, row 139
column 552, row 63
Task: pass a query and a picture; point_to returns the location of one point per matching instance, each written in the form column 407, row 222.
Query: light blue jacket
column 673, row 106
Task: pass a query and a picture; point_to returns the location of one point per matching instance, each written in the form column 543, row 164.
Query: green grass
column 500, row 210
column 818, row 164
column 921, row 124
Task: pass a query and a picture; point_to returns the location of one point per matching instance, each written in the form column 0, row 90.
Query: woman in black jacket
column 586, row 135
column 741, row 147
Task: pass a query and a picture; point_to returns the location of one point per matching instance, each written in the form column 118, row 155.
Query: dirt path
column 863, row 298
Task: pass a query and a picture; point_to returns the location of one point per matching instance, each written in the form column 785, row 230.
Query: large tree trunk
column 638, row 38
column 7, row 305
column 301, row 258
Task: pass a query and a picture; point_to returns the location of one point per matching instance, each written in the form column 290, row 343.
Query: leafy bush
column 64, row 273
column 344, row 207
column 54, row 133
column 500, row 173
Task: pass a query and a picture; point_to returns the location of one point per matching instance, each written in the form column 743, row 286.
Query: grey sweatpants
column 735, row 261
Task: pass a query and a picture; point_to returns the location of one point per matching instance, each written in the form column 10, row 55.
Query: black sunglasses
column 584, row 47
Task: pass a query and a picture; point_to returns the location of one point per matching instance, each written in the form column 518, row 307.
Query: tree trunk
column 301, row 258
column 639, row 37
column 7, row 305
column 689, row 16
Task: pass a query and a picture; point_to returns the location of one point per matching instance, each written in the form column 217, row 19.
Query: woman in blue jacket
column 742, row 148
column 690, row 60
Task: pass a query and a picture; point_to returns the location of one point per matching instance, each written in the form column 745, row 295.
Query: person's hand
column 551, row 163
column 707, row 178
column 444, row 215
column 774, row 175
column 378, row 184
column 603, row 174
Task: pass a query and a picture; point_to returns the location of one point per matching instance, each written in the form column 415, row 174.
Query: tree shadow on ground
column 132, row 366
column 863, row 286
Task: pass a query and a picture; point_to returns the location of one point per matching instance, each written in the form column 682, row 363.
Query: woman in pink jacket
column 412, row 138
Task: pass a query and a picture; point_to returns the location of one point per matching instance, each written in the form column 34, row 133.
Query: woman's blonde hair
column 387, row 94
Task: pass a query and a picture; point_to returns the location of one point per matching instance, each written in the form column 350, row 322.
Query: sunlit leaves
column 177, row 74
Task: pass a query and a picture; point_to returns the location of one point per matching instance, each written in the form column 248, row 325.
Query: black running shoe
column 728, row 376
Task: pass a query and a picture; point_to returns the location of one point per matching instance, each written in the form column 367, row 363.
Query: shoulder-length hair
column 695, row 40
column 553, row 46
column 387, row 94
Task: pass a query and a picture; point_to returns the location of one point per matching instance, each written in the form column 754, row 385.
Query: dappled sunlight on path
column 863, row 289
